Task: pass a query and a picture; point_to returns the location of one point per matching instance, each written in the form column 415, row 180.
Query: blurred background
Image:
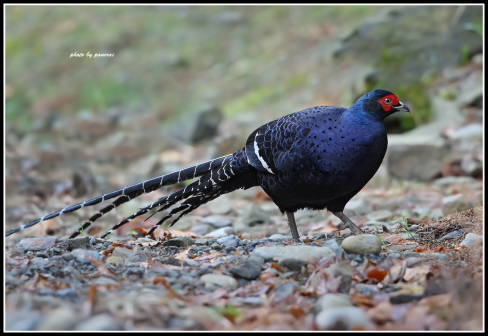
column 190, row 83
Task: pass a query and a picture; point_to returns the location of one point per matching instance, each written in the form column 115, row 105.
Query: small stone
column 201, row 242
column 472, row 240
column 222, row 232
column 116, row 261
column 343, row 318
column 250, row 270
column 190, row 262
column 279, row 237
column 451, row 235
column 79, row 243
column 253, row 215
column 220, row 206
column 362, row 244
column 454, row 180
column 366, row 289
column 81, row 255
column 170, row 261
column 180, row 241
column 36, row 244
column 62, row 318
column 304, row 252
column 201, row 229
column 293, row 264
column 332, row 301
column 332, row 244
column 129, row 255
column 454, row 203
column 221, row 280
column 217, row 221
column 229, row 241
column 436, row 256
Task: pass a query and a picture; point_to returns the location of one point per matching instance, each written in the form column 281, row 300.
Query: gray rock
column 332, row 301
column 293, row 264
column 436, row 214
column 222, row 232
column 129, row 255
column 221, row 206
column 221, row 280
column 253, row 215
column 217, row 221
column 415, row 157
column 279, row 237
column 180, row 241
column 201, row 229
column 343, row 318
column 356, row 207
column 332, row 244
column 81, row 255
column 229, row 241
column 304, row 252
column 366, row 289
column 451, row 235
column 380, row 215
column 472, row 166
column 362, row 244
column 114, row 260
column 20, row 320
column 250, row 270
column 79, row 243
column 36, row 244
column 454, row 203
column 472, row 240
column 191, row 262
column 201, row 242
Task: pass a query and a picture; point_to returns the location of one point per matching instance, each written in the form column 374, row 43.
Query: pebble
column 61, row 318
column 180, row 241
column 250, row 270
column 304, row 252
column 332, row 301
column 79, row 243
column 221, row 280
column 129, row 255
column 217, row 221
column 472, row 240
column 366, row 289
column 253, row 215
column 201, row 229
column 356, row 207
column 220, row 206
column 279, row 237
column 190, row 262
column 229, row 241
column 222, row 232
column 343, row 318
column 36, row 244
column 451, row 235
column 201, row 242
column 362, row 244
column 81, row 255
column 332, row 244
column 293, row 264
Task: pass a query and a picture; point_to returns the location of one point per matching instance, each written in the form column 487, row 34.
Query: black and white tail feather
column 216, row 178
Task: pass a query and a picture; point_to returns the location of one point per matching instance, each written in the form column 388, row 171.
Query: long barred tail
column 135, row 190
column 211, row 185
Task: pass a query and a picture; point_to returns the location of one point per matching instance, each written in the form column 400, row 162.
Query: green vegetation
column 82, row 230
column 382, row 242
column 406, row 227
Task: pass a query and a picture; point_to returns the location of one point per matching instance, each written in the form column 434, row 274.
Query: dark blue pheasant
column 316, row 158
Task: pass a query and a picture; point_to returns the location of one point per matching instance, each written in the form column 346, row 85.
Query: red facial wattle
column 393, row 101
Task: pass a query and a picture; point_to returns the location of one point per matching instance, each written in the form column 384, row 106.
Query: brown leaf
column 251, row 289
column 181, row 255
column 162, row 235
column 102, row 269
column 377, row 274
column 295, row 310
column 208, row 298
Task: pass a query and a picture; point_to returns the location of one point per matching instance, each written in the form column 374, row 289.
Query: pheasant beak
column 401, row 107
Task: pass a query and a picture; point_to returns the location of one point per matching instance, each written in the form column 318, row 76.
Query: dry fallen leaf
column 377, row 274
column 417, row 274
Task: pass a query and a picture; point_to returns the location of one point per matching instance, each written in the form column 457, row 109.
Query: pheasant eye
column 387, row 101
